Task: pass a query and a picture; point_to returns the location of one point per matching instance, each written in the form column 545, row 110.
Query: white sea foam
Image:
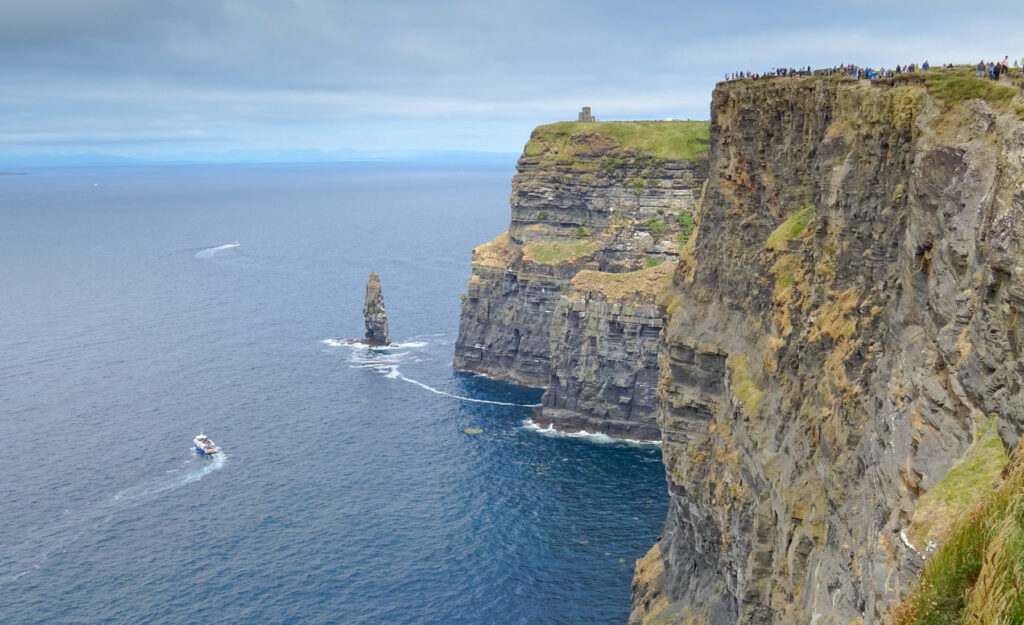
column 382, row 349
column 603, row 439
column 210, row 251
column 459, row 397
column 204, row 466
column 409, row 345
column 344, row 343
column 385, row 360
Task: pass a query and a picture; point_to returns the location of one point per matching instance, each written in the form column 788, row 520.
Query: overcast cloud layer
column 159, row 79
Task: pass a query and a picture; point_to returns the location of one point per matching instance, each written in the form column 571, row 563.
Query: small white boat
column 204, row 445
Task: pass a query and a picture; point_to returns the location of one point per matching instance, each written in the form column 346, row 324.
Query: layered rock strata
column 604, row 340
column 847, row 310
column 375, row 316
column 610, row 197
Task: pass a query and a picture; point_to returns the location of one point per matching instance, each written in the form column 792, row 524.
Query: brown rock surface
column 812, row 388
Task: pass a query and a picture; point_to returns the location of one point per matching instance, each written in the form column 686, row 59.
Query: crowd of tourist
column 994, row 70
column 991, row 70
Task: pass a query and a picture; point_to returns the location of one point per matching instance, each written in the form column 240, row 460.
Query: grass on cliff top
column 635, row 287
column 672, row 140
column 500, row 252
column 953, row 86
column 794, row 227
column 556, row 252
column 977, row 576
column 962, row 488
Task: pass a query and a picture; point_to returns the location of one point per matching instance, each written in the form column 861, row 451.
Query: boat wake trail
column 385, row 360
column 158, row 487
column 210, row 251
column 50, row 539
column 396, row 374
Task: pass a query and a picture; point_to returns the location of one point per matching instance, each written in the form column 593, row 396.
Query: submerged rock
column 374, row 314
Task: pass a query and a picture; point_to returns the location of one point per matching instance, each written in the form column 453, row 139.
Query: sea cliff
column 842, row 338
column 599, row 198
column 605, row 335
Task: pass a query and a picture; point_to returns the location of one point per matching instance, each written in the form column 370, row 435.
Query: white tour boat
column 204, row 445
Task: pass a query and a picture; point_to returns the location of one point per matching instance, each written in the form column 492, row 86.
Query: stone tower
column 585, row 115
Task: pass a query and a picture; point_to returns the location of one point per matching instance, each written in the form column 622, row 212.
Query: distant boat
column 234, row 244
column 204, row 445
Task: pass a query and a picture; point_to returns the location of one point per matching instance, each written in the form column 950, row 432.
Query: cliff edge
column 842, row 329
column 609, row 197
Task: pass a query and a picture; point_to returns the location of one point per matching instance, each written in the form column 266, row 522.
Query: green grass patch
column 653, row 261
column 962, row 487
column 685, row 226
column 958, row 85
column 542, row 215
column 555, row 252
column 794, row 227
column 784, row 271
column 582, row 233
column 672, row 140
column 655, row 226
column 743, row 385
column 977, row 576
column 613, row 163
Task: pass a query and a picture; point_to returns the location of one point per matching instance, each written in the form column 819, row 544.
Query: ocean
column 347, row 491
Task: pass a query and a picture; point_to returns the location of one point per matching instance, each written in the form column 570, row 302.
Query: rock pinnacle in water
column 374, row 314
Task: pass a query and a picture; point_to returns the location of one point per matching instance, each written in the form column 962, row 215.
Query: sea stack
column 374, row 314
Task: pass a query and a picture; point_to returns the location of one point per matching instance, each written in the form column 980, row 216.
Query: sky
column 266, row 79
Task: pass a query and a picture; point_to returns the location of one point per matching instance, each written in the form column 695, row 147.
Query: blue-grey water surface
column 347, row 491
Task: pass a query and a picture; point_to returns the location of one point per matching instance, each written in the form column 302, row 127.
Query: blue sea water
column 347, row 491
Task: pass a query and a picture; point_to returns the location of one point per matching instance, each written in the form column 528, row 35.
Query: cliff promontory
column 605, row 334
column 599, row 198
column 841, row 368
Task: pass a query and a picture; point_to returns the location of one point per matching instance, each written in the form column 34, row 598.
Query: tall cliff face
column 605, row 336
column 610, row 197
column 846, row 311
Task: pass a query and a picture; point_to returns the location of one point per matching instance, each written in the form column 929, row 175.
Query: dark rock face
column 587, row 204
column 816, row 380
column 374, row 314
column 605, row 335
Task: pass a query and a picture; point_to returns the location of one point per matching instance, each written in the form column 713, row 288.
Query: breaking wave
column 595, row 438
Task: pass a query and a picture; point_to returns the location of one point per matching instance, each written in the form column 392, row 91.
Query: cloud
column 224, row 70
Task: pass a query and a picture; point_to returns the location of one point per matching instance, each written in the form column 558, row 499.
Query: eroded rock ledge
column 605, row 334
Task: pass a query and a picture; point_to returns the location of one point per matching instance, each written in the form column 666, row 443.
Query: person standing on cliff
column 981, row 69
